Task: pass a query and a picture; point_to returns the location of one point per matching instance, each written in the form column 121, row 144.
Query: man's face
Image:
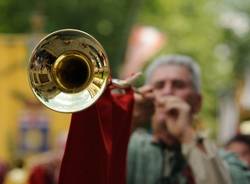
column 174, row 80
column 242, row 150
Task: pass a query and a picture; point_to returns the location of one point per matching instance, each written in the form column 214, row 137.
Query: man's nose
column 167, row 89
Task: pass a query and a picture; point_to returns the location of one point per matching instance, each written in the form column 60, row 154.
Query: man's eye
column 179, row 84
column 158, row 85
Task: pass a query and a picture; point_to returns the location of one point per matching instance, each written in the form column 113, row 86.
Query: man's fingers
column 172, row 102
column 131, row 80
column 146, row 92
column 126, row 82
column 168, row 101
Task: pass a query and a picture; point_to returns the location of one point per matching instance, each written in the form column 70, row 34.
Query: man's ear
column 197, row 103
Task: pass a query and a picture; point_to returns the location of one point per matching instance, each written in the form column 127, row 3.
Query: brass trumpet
column 68, row 70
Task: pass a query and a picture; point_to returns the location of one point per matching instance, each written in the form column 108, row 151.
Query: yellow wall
column 14, row 52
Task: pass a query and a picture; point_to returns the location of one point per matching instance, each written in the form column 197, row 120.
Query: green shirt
column 151, row 163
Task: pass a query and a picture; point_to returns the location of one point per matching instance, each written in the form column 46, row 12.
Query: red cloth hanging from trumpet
column 97, row 142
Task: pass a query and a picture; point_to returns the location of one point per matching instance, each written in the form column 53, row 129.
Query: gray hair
column 179, row 60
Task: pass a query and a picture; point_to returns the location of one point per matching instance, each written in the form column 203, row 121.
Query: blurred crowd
column 44, row 170
column 39, row 168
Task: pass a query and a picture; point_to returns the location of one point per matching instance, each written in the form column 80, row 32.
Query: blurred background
column 216, row 33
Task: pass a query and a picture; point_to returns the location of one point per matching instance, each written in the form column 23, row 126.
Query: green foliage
column 14, row 15
column 239, row 43
column 109, row 21
column 240, row 47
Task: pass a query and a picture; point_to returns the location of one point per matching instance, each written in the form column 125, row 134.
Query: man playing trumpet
column 174, row 152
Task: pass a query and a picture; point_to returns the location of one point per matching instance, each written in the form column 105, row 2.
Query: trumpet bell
column 68, row 70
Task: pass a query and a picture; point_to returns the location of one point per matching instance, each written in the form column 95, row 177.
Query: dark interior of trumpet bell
column 74, row 73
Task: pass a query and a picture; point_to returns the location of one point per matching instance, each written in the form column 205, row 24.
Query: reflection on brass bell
column 68, row 70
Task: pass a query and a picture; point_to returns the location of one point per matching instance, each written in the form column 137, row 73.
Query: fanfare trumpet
column 68, row 70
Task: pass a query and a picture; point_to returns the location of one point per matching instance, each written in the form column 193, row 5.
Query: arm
column 143, row 106
column 206, row 165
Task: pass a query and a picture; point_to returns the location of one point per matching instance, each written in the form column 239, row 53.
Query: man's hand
column 144, row 107
column 177, row 116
